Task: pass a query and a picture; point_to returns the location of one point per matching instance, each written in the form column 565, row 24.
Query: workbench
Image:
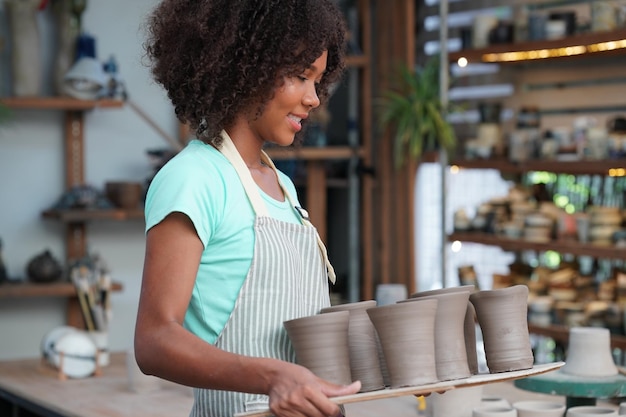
column 31, row 388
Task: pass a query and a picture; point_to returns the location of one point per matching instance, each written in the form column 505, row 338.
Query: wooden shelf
column 312, row 153
column 78, row 215
column 586, row 39
column 570, row 247
column 357, row 61
column 56, row 289
column 58, row 103
column 584, row 167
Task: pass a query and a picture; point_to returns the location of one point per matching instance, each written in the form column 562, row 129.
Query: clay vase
column 469, row 325
column 590, row 411
column 25, row 48
column 539, row 408
column 67, row 34
column 450, row 353
column 406, row 332
column 589, row 353
column 321, row 345
column 502, row 316
column 364, row 355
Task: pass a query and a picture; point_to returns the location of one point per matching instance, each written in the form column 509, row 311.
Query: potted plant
column 413, row 112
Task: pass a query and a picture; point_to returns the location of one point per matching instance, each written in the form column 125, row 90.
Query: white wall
column 32, row 179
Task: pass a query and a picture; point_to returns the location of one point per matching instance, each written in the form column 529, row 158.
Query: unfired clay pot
column 502, row 315
column 406, row 332
column 469, row 327
column 321, row 345
column 589, row 353
column 450, row 353
column 364, row 355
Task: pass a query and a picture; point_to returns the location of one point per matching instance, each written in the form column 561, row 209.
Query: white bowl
column 539, row 408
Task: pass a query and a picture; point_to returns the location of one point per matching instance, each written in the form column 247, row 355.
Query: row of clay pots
column 427, row 338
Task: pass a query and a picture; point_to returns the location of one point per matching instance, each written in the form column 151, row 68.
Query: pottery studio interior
column 465, row 175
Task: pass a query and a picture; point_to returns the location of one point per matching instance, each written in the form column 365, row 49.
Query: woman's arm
column 164, row 348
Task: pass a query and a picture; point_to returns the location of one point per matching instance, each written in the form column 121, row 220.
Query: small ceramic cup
column 490, row 401
column 494, row 412
column 590, row 411
column 539, row 408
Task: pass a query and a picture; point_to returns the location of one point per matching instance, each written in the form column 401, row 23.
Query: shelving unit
column 75, row 220
column 541, row 63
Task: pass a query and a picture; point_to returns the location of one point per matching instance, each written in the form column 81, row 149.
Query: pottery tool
column 81, row 292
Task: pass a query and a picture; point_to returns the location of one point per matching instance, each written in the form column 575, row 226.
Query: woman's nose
column 311, row 98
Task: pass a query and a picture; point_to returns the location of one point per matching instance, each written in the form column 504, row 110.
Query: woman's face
column 292, row 102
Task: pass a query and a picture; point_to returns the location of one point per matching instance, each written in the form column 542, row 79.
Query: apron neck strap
column 231, row 153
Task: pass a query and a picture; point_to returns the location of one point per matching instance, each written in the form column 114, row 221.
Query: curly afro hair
column 216, row 58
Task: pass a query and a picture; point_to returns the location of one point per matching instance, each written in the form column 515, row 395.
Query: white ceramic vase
column 26, row 48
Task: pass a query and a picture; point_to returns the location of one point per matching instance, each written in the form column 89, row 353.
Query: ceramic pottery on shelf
column 539, row 408
column 364, row 355
column 469, row 327
column 406, row 332
column 589, row 353
column 590, row 411
column 321, row 345
column 502, row 315
column 450, row 353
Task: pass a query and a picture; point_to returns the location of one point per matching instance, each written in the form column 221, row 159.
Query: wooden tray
column 480, row 379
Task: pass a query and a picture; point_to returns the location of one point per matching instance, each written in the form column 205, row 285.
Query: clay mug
column 590, row 411
column 539, row 408
column 363, row 344
column 406, row 332
column 502, row 315
column 494, row 412
column 321, row 345
column 450, row 352
column 469, row 324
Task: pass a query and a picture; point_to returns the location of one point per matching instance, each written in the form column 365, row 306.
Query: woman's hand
column 296, row 392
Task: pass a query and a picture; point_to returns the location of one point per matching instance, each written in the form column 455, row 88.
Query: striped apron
column 288, row 278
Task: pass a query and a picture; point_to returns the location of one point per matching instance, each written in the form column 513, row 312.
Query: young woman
column 230, row 255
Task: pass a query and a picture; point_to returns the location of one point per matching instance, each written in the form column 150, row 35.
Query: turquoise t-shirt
column 201, row 183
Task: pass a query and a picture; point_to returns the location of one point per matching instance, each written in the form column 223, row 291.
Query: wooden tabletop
column 32, row 384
